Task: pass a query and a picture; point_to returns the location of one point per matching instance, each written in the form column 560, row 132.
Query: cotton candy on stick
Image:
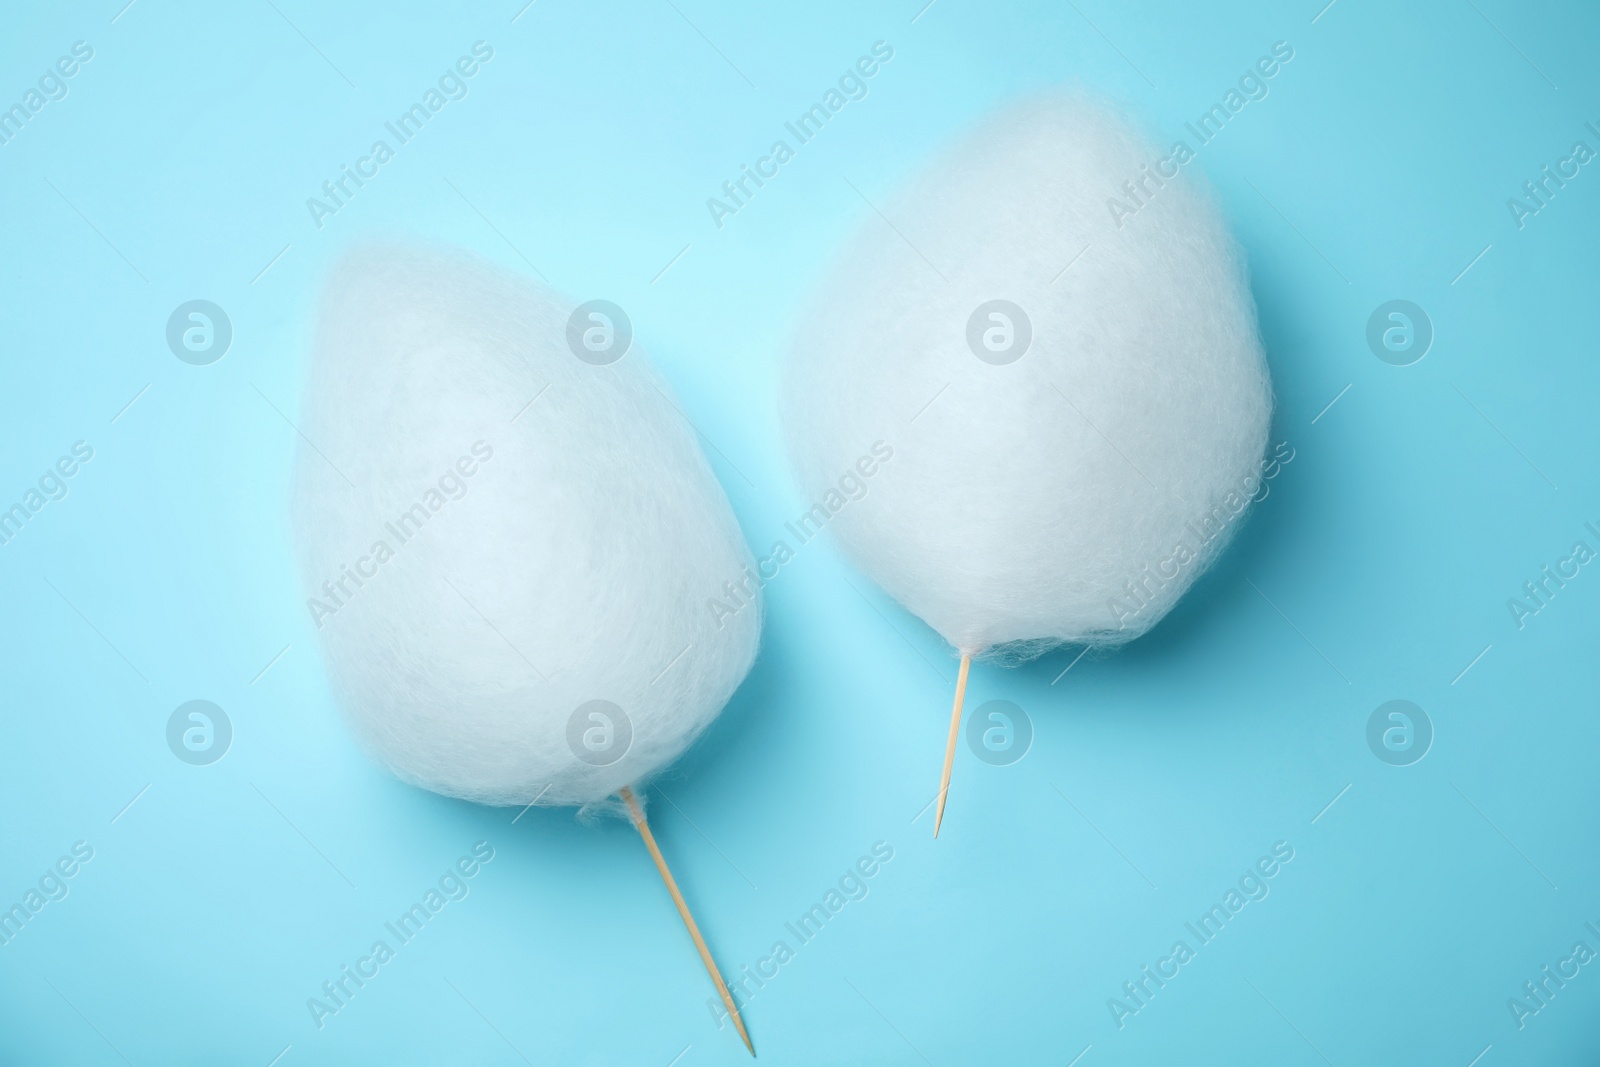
column 1053, row 329
column 509, row 536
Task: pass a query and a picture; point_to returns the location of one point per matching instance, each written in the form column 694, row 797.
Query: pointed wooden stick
column 950, row 745
column 683, row 910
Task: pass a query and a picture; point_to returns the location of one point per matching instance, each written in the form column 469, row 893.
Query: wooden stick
column 683, row 911
column 950, row 745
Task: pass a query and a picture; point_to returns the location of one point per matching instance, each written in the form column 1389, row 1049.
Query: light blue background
column 1378, row 167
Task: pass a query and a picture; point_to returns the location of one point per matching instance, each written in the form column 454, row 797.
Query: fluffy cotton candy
column 507, row 533
column 1072, row 494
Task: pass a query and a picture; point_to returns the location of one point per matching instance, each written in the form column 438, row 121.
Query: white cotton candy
column 507, row 533
column 1071, row 495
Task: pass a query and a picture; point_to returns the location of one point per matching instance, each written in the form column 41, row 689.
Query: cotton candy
column 1065, row 462
column 508, row 536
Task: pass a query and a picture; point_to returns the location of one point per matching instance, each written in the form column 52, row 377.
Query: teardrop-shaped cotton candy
column 1069, row 375
column 508, row 549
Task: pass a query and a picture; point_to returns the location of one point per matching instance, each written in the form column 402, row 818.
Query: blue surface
column 219, row 898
